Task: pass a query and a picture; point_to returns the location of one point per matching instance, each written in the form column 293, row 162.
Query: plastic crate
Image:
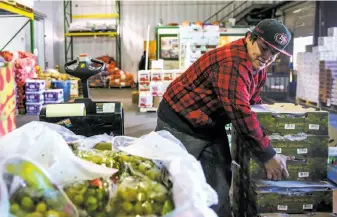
column 65, row 85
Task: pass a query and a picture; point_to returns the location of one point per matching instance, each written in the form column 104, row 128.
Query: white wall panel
column 135, row 17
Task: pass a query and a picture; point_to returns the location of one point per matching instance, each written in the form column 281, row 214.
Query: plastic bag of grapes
column 140, row 196
column 49, row 149
column 191, row 194
column 90, row 197
column 28, row 191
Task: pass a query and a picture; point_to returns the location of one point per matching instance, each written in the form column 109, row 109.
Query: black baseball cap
column 273, row 33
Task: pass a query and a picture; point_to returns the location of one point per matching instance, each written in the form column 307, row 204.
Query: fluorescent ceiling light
column 296, row 11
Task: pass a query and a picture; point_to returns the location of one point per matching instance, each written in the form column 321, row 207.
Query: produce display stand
column 69, row 36
column 12, row 8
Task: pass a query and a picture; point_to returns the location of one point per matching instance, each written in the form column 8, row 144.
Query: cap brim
column 281, row 51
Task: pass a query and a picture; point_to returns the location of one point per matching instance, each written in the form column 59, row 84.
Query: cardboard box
column 295, row 197
column 301, row 146
column 288, row 118
column 316, row 214
column 309, row 169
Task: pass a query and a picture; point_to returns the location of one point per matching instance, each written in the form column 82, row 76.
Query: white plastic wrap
column 48, row 148
column 191, row 193
column 294, row 137
column 18, row 177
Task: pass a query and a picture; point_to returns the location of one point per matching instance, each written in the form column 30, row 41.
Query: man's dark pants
column 215, row 159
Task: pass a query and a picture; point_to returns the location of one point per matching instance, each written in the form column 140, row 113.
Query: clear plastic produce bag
column 48, row 148
column 146, row 188
column 27, row 190
column 191, row 194
column 91, row 198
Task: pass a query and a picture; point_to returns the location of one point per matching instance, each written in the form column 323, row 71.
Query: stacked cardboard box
column 317, row 71
column 295, row 131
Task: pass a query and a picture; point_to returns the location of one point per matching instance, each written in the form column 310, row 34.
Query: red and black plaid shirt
column 223, row 80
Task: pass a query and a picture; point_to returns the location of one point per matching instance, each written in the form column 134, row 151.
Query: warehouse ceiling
column 258, row 11
column 300, row 19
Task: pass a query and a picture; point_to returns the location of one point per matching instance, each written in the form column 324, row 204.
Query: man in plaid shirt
column 218, row 89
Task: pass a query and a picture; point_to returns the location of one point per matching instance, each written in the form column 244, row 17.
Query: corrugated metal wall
column 136, row 16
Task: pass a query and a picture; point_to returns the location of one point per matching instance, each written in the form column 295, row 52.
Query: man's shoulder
column 232, row 52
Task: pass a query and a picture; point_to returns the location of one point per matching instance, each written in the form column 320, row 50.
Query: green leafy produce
column 141, row 196
column 30, row 202
column 90, row 196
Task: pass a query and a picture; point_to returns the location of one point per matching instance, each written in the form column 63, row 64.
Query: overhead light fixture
column 297, row 11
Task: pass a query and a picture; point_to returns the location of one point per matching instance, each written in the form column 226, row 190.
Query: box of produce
column 34, row 108
column 65, row 85
column 282, row 197
column 35, row 85
column 299, row 168
column 289, row 197
column 287, row 118
column 54, row 95
column 301, row 146
column 34, row 97
column 316, row 214
column 310, row 169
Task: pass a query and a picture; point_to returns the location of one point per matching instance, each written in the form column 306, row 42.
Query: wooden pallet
column 151, row 109
column 307, row 102
column 330, row 108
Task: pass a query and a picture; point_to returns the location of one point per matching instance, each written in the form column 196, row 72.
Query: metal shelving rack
column 69, row 36
column 8, row 8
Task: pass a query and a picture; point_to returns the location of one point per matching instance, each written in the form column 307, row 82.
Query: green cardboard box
column 305, row 170
column 316, row 214
column 294, row 197
column 288, row 118
column 301, row 146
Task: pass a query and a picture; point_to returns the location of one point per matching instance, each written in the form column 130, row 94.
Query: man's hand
column 277, row 167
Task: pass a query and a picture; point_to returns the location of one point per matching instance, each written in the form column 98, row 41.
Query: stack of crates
column 295, row 131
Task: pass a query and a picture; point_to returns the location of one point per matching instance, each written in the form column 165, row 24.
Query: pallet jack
column 100, row 117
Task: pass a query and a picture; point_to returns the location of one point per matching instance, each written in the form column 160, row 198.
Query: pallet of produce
column 288, row 118
column 306, row 153
column 295, row 197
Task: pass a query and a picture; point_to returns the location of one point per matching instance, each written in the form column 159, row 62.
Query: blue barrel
column 65, row 85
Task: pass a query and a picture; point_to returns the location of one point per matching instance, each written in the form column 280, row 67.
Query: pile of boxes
column 37, row 96
column 317, row 71
column 297, row 132
column 153, row 84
